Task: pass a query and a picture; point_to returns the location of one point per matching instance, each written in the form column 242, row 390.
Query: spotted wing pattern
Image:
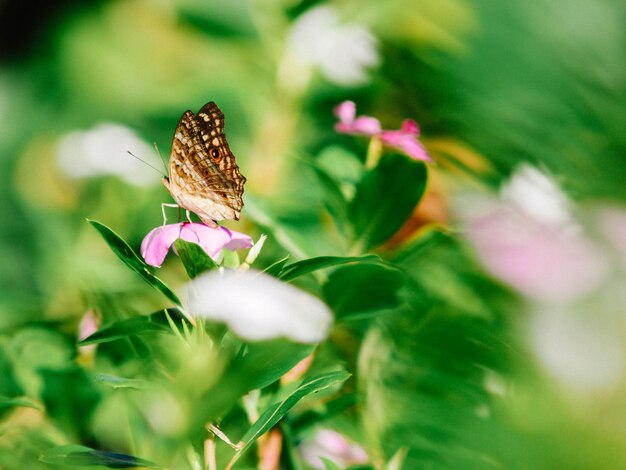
column 204, row 177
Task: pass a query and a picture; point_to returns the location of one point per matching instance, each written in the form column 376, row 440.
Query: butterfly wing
column 204, row 177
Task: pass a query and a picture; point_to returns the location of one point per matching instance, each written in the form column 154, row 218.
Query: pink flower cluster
column 158, row 242
column 404, row 139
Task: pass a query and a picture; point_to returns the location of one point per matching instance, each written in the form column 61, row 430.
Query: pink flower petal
column 410, row 127
column 543, row 262
column 158, row 242
column 346, row 112
column 212, row 240
column 350, row 124
column 239, row 241
column 366, row 125
column 405, row 142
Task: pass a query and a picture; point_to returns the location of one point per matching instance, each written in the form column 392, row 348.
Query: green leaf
column 80, row 456
column 259, row 364
column 15, row 402
column 155, row 322
column 385, row 198
column 230, row 259
column 334, row 200
column 359, row 289
column 194, row 258
column 329, row 464
column 266, row 361
column 114, row 381
column 306, row 266
column 130, row 259
column 276, row 268
column 275, row 412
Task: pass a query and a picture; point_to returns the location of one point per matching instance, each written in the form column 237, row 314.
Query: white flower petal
column 538, row 195
column 582, row 349
column 257, row 307
column 341, row 52
column 103, row 151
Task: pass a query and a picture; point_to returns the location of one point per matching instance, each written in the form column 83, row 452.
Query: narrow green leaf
column 15, row 402
column 194, row 258
column 306, row 266
column 274, row 413
column 114, row 381
column 385, row 198
column 395, row 463
column 155, row 322
column 80, row 456
column 276, row 268
column 126, row 254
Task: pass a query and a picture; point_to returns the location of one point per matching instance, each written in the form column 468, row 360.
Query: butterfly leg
column 163, row 206
column 188, row 216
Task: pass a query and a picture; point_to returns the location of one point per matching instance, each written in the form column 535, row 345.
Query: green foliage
column 193, row 257
column 275, row 412
column 126, row 254
column 357, row 291
column 153, row 323
column 263, row 363
column 300, row 268
column 384, row 199
column 81, row 456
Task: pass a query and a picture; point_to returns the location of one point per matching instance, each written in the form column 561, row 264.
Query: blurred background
column 521, row 105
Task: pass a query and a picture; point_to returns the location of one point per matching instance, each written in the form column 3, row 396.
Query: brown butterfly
column 204, row 177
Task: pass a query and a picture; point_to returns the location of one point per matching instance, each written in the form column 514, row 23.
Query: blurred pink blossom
column 528, row 238
column 543, row 262
column 88, row 325
column 350, row 124
column 333, row 446
column 156, row 244
column 404, row 139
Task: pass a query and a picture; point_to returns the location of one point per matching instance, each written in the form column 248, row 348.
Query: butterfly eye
column 215, row 153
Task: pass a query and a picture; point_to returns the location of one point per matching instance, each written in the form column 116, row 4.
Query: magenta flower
column 404, row 139
column 157, row 243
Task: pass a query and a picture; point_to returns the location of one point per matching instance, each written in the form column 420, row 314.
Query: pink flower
column 350, row 124
column 404, row 139
column 333, row 446
column 546, row 263
column 157, row 243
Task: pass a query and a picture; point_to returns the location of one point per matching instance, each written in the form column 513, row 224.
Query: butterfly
column 203, row 175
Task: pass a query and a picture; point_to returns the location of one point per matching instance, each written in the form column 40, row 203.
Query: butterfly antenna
column 144, row 162
column 156, row 147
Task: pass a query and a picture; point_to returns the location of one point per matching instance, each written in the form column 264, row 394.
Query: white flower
column 537, row 195
column 342, row 52
column 582, row 346
column 256, row 306
column 103, row 151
